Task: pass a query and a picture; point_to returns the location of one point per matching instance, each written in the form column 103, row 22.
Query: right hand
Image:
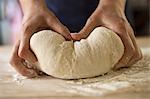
column 111, row 17
column 34, row 21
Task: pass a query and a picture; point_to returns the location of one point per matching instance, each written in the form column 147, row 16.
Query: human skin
column 109, row 13
column 36, row 17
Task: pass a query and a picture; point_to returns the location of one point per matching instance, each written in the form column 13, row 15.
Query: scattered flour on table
column 124, row 78
column 18, row 78
column 114, row 80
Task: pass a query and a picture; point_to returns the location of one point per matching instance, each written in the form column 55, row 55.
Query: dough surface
column 88, row 57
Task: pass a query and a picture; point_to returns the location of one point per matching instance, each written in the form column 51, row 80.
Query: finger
column 128, row 46
column 15, row 50
column 75, row 36
column 57, row 26
column 137, row 54
column 21, row 68
column 128, row 52
column 90, row 25
column 119, row 26
column 24, row 48
column 17, row 63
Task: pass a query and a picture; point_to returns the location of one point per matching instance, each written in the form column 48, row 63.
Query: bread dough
column 93, row 56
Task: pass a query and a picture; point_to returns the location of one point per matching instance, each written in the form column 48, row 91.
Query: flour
column 125, row 78
column 115, row 80
column 93, row 56
column 18, row 78
column 137, row 71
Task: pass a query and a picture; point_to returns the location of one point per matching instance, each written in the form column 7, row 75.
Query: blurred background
column 137, row 12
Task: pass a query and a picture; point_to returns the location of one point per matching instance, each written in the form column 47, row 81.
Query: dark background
column 137, row 12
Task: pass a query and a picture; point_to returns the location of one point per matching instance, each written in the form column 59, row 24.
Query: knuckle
column 120, row 24
column 120, row 27
column 120, row 21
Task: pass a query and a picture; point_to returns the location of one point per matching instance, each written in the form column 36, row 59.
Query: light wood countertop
column 16, row 87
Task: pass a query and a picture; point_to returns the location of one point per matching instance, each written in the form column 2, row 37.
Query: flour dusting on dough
column 115, row 80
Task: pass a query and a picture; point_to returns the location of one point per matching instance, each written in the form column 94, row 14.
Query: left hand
column 111, row 18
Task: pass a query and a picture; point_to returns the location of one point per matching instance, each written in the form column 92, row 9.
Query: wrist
column 33, row 6
column 115, row 6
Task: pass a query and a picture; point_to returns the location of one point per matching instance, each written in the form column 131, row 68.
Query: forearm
column 29, row 6
column 114, row 5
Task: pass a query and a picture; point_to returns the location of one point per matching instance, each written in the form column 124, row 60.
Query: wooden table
column 122, row 84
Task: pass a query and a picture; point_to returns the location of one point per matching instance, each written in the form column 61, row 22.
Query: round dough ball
column 88, row 57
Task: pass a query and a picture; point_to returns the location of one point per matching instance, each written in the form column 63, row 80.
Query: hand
column 35, row 22
column 35, row 19
column 110, row 17
column 18, row 63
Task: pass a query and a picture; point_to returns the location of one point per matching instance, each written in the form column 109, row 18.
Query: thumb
column 87, row 29
column 24, row 48
column 57, row 26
